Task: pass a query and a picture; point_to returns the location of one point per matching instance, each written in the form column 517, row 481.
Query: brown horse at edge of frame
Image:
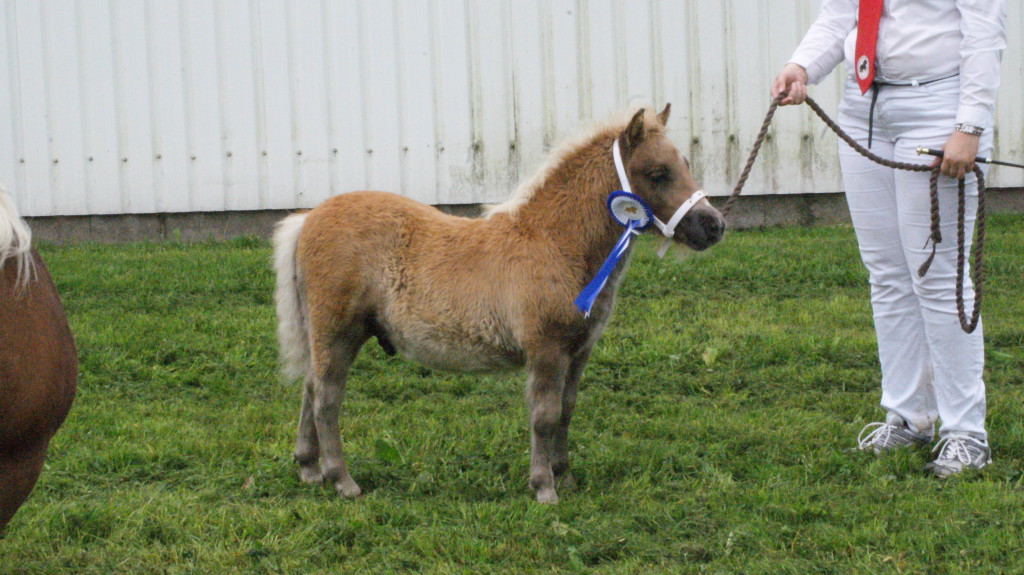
column 38, row 361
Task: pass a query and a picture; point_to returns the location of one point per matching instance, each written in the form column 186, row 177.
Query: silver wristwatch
column 969, row 129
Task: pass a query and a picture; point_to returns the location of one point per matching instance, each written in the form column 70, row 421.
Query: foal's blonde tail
column 291, row 317
column 15, row 238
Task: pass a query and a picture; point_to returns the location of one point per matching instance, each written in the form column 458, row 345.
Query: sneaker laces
column 955, row 447
column 881, row 434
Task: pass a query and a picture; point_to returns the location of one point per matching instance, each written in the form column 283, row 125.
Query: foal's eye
column 659, row 176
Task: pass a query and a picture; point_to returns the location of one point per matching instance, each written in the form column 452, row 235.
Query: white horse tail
column 292, row 334
column 15, row 238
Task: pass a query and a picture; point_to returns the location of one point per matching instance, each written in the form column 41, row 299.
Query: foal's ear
column 634, row 133
column 663, row 116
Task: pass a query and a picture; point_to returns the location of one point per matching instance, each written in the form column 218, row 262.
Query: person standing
column 919, row 73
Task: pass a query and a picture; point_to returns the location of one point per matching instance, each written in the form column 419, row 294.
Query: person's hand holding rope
column 958, row 155
column 791, row 81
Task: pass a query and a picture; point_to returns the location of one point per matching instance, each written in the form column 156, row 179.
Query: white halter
column 669, row 229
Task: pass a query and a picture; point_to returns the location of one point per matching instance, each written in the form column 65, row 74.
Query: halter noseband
column 669, row 229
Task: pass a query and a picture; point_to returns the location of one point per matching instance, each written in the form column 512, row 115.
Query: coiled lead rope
column 977, row 277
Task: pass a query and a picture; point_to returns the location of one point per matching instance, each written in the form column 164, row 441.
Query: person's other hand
column 792, row 80
column 958, row 155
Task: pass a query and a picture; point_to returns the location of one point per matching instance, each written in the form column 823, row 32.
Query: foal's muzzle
column 702, row 228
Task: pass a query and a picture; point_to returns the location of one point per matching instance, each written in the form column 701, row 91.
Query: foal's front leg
column 560, row 446
column 547, row 370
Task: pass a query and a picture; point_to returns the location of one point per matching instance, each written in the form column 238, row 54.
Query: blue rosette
column 626, row 207
column 630, row 212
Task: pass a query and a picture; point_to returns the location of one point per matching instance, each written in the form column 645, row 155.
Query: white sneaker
column 957, row 453
column 887, row 436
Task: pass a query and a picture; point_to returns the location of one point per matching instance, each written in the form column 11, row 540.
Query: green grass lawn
column 714, row 432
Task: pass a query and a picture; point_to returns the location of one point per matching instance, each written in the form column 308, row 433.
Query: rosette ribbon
column 633, row 214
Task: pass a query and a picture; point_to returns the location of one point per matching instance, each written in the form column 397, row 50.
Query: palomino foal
column 483, row 294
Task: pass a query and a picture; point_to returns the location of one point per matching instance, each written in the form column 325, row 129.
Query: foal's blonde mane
column 15, row 238
column 567, row 149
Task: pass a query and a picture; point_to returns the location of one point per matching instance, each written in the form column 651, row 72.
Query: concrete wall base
column 749, row 211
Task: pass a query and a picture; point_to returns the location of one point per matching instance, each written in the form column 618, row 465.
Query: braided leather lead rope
column 936, row 235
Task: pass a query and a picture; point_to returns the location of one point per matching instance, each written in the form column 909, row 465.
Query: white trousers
column 931, row 369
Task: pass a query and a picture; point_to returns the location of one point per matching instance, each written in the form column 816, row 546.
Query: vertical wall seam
column 513, row 75
column 365, row 96
column 88, row 190
column 46, row 46
column 584, row 88
column 695, row 144
column 259, row 104
column 189, row 103
column 620, row 65
column 731, row 93
column 435, row 109
column 511, row 145
column 225, row 128
column 329, row 105
column 158, row 186
column 294, row 96
column 657, row 63
column 475, row 90
column 547, row 74
column 17, row 107
column 771, row 146
column 400, row 95
column 124, row 190
column 437, row 95
column 230, row 147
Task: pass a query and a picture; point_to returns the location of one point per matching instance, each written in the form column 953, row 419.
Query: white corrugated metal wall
column 149, row 106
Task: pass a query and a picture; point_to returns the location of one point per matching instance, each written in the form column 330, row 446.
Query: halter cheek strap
column 669, row 229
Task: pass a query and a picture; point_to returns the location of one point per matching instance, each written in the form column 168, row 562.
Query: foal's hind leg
column 330, row 370
column 547, row 370
column 307, row 445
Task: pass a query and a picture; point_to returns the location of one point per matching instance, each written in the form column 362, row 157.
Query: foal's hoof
column 568, row 481
column 348, row 489
column 547, row 496
column 311, row 474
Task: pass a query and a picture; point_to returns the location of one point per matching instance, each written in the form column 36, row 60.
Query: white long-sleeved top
column 918, row 41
